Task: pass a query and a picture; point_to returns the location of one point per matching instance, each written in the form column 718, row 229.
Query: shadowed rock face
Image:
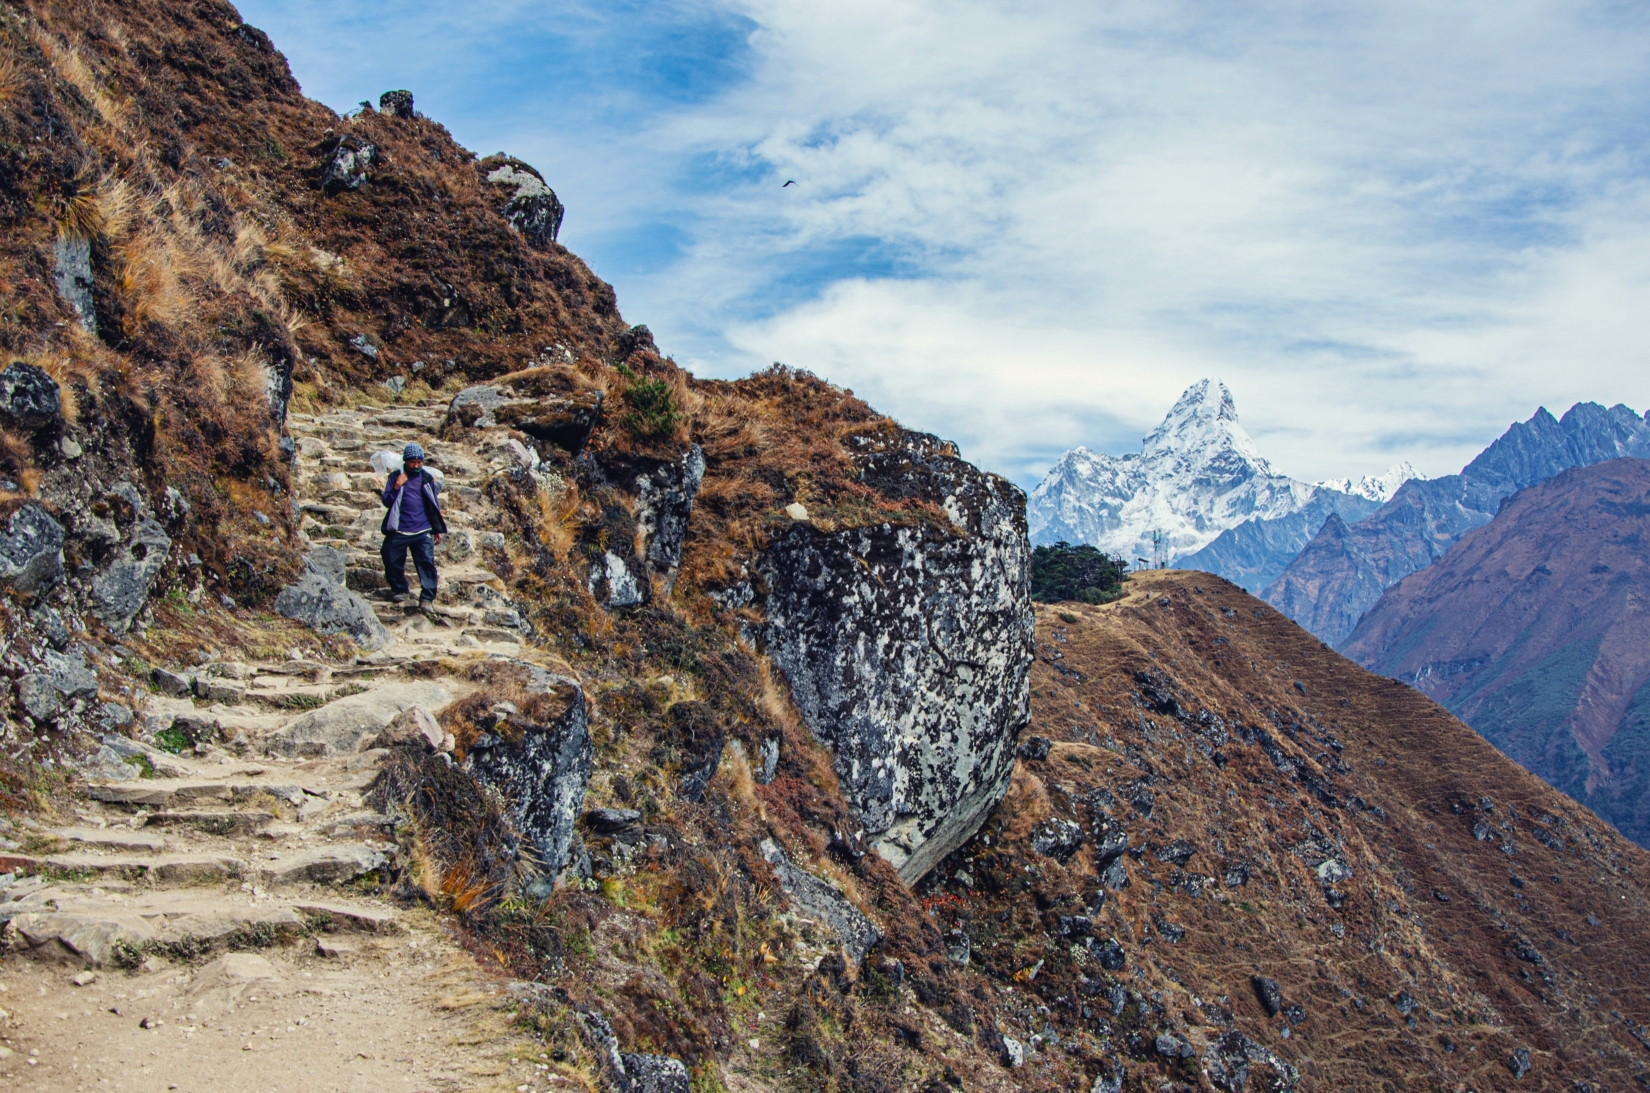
column 908, row 648
column 538, row 760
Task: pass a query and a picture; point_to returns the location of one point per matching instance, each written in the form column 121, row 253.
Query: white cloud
column 1392, row 228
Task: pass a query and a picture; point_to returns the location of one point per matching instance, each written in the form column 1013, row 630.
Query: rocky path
column 212, row 923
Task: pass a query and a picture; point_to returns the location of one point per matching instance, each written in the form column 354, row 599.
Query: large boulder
column 908, row 646
column 537, row 758
column 322, row 601
column 532, row 207
column 534, row 402
column 346, row 725
column 29, row 398
column 31, row 549
column 121, row 590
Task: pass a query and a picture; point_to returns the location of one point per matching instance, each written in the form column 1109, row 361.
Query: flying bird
column 789, row 182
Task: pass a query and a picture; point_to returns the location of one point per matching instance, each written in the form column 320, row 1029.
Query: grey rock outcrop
column 824, row 903
column 523, row 402
column 533, row 208
column 396, row 104
column 31, row 550
column 322, row 601
column 908, row 647
column 349, row 165
column 72, row 273
column 664, row 502
column 538, row 760
column 655, row 1074
column 121, row 590
column 1232, row 1060
column 29, row 398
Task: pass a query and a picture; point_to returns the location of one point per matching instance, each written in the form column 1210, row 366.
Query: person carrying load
column 413, row 524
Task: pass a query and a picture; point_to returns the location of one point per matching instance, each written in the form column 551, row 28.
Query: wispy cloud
column 1391, row 227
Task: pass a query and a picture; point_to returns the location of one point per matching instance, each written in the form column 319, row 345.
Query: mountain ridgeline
column 1346, row 567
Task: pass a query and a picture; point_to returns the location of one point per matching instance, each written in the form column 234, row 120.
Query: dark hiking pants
column 422, row 546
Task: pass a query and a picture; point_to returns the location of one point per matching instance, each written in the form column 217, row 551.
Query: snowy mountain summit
column 1196, row 475
column 1375, row 487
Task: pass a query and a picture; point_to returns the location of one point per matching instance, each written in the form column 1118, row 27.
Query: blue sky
column 1392, row 228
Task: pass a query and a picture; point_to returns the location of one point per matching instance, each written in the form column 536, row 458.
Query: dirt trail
column 212, row 926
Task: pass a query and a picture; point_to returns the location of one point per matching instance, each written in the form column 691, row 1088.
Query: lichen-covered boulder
column 29, row 397
column 121, row 590
column 396, row 104
column 352, row 158
column 532, row 208
column 664, row 501
column 538, row 761
column 908, row 646
column 31, row 550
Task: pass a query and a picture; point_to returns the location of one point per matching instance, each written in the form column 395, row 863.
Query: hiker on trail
column 413, row 524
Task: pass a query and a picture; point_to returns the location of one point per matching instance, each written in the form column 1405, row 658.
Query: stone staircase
column 258, row 839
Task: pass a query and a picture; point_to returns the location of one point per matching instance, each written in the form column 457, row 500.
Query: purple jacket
column 426, row 491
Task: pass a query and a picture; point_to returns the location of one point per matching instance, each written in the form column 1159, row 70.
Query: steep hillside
column 1344, row 569
column 1294, row 857
column 1534, row 630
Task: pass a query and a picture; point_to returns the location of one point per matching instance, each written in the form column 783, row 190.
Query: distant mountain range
column 1196, row 476
column 1340, row 574
column 1535, row 630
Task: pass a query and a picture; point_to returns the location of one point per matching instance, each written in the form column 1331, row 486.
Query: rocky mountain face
column 1197, row 474
column 1534, row 631
column 1340, row 574
column 1257, row 551
column 713, row 752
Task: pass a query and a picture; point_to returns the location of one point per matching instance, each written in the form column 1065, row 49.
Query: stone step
column 113, row 838
column 163, row 793
column 163, row 868
column 212, row 822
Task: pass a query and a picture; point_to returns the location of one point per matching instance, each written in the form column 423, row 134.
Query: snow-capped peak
column 1196, row 474
column 1376, row 487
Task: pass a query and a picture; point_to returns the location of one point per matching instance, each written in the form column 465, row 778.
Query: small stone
column 69, row 448
column 611, row 821
column 333, row 947
column 412, row 726
column 176, row 684
column 149, row 1022
column 797, row 511
column 1014, row 1052
column 1109, row 955
column 1519, row 1064
column 84, row 979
